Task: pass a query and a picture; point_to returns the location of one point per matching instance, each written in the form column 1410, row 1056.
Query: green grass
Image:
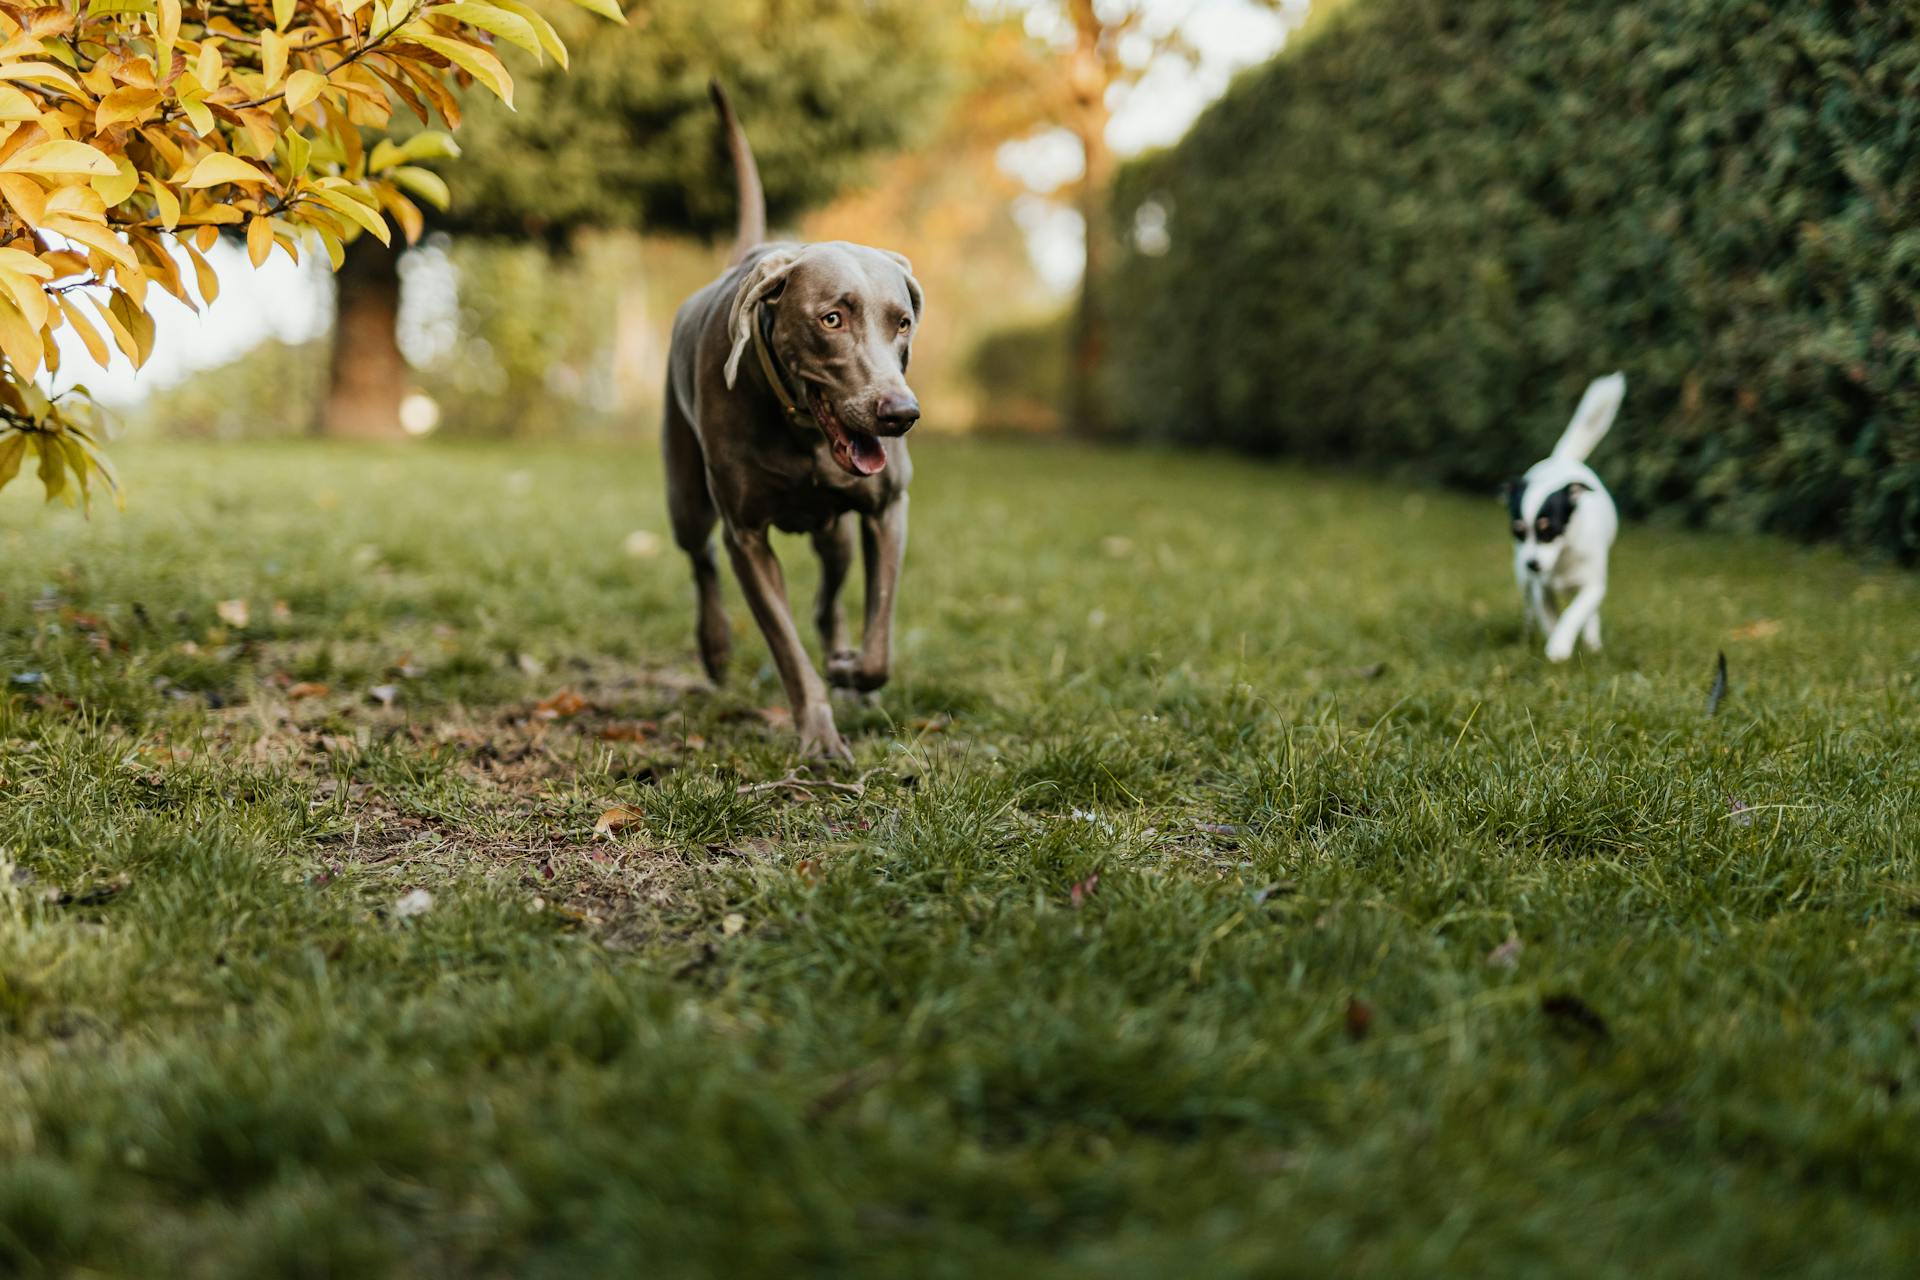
column 1285, row 719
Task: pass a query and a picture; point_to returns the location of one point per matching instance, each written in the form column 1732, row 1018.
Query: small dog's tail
column 751, row 228
column 1592, row 418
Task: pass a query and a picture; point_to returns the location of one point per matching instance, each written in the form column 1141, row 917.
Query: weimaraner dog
column 787, row 404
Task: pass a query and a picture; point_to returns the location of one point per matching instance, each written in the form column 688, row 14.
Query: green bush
column 1020, row 373
column 1411, row 240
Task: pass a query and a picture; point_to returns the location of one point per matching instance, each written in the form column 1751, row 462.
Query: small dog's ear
column 1516, row 490
column 1576, row 489
column 762, row 282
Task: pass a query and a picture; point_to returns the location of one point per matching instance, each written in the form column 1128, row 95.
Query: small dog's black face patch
column 1554, row 513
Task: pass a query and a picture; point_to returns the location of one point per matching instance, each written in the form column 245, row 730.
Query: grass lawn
column 1232, row 892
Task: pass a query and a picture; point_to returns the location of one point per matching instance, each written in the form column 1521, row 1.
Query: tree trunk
column 369, row 377
column 1090, row 73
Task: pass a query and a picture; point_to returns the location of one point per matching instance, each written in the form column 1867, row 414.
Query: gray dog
column 787, row 402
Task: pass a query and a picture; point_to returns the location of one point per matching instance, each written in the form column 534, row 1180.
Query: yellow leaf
column 282, row 13
column 89, row 336
column 129, row 102
column 165, row 201
column 510, row 27
column 138, row 323
column 259, row 239
column 217, row 167
column 122, row 184
column 28, row 198
column 205, row 238
column 15, row 105
column 166, row 26
column 27, row 296
column 47, row 72
column 425, row 183
column 13, row 451
column 549, row 38
column 204, row 275
column 273, row 58
column 472, row 59
column 605, row 8
column 26, row 264
column 19, row 341
column 304, row 86
column 61, row 158
column 342, row 203
column 94, row 236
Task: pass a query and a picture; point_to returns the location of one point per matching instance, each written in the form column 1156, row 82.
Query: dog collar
column 789, row 403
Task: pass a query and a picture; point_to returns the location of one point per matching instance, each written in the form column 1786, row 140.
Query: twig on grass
column 807, row 786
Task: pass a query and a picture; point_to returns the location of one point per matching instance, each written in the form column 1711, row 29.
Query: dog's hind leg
column 1591, row 632
column 690, row 509
column 835, row 547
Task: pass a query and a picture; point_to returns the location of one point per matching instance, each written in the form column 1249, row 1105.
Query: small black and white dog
column 1564, row 524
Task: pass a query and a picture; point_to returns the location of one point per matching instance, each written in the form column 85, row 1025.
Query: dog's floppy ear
column 763, row 281
column 1516, row 491
column 913, row 286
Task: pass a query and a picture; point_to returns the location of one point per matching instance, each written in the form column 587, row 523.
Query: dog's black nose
column 1533, row 566
column 897, row 411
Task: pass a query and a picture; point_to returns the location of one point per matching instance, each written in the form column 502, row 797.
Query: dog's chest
column 805, row 493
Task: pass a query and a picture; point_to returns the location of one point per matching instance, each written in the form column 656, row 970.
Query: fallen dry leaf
column 733, row 924
column 1758, row 629
column 281, row 611
column 642, row 544
column 560, row 706
column 529, row 664
column 1359, row 1018
column 234, row 613
column 808, row 870
column 307, row 689
column 615, row 819
column 1507, row 954
column 384, row 694
column 1082, row 890
column 628, row 731
column 776, row 717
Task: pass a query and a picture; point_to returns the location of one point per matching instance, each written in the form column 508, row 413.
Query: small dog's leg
column 884, row 542
column 834, row 545
column 1566, row 632
column 1540, row 600
column 1591, row 634
column 766, row 588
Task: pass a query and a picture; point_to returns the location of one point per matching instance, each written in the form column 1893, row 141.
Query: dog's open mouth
column 859, row 452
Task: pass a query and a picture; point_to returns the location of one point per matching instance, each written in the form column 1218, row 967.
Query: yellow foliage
column 128, row 127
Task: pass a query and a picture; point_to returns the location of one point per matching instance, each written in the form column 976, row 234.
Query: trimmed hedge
column 1413, row 240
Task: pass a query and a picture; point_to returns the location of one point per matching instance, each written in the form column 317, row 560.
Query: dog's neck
column 792, row 406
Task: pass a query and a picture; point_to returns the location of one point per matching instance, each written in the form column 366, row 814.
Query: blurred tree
column 1096, row 47
column 625, row 137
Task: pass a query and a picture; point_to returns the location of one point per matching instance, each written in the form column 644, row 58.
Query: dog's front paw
column 820, row 739
column 846, row 671
column 1559, row 650
column 843, row 669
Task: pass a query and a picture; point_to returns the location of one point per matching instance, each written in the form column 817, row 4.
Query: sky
column 294, row 303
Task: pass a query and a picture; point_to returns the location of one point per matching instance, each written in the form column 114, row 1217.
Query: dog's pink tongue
column 869, row 455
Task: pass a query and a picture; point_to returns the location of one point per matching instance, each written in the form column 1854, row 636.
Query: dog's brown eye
column 832, row 320
column 1541, row 524
column 905, row 324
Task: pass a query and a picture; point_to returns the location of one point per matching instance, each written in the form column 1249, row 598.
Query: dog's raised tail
column 751, row 228
column 1592, row 419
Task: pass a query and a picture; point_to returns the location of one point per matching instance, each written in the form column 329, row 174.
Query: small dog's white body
column 1564, row 523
